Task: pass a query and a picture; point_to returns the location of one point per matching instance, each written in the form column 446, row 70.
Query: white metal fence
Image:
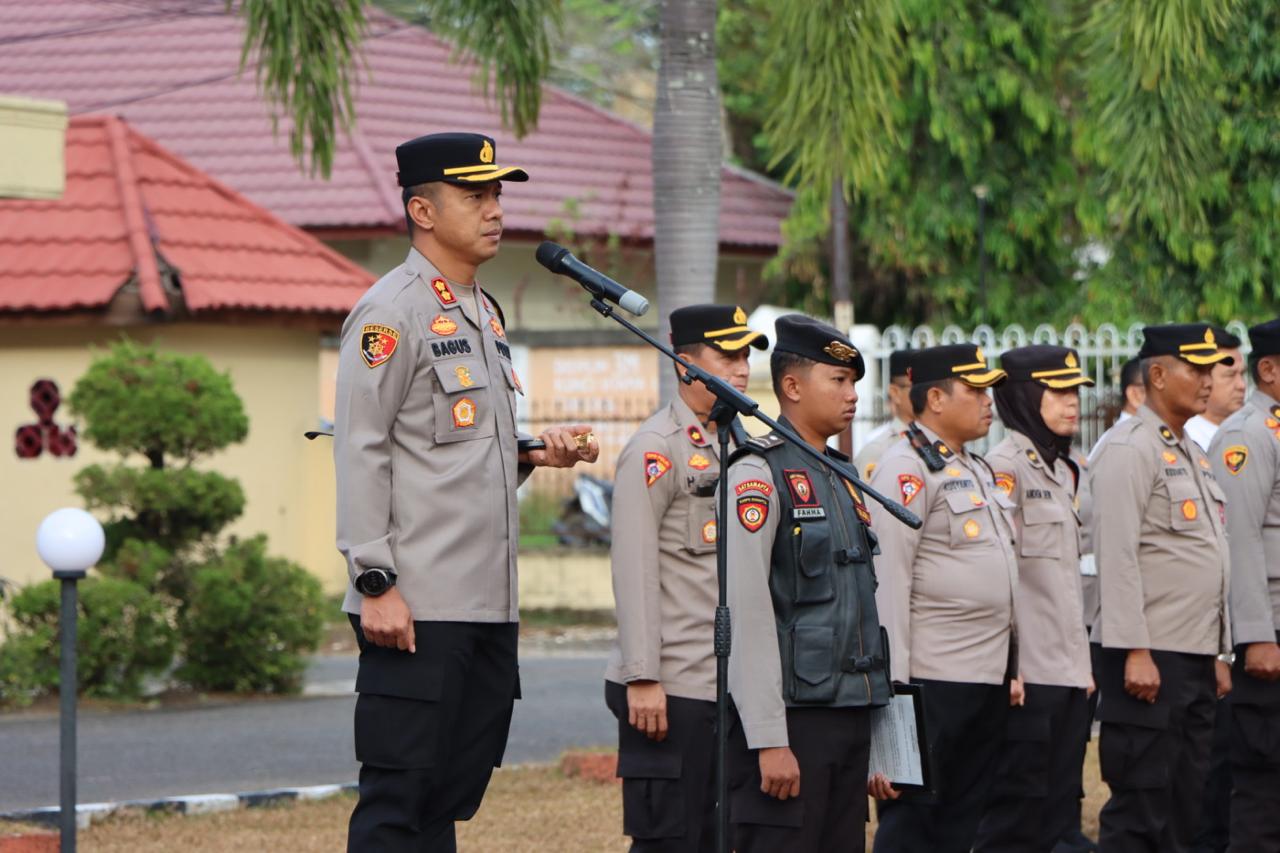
column 1103, row 352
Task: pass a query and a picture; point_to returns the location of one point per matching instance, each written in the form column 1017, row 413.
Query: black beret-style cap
column 1195, row 343
column 808, row 338
column 455, row 158
column 721, row 326
column 1225, row 339
column 1264, row 339
column 899, row 362
column 1052, row 367
column 955, row 361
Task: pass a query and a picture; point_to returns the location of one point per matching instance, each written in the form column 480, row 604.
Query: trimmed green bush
column 250, row 621
column 124, row 634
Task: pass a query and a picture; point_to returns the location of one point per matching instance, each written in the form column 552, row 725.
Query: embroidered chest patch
column 698, row 462
column 801, row 488
column 655, row 465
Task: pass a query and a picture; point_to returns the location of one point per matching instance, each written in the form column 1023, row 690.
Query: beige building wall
column 32, row 142
column 288, row 481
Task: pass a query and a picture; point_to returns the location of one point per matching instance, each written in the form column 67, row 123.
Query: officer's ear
column 790, row 387
column 936, row 397
column 1266, row 370
column 423, row 206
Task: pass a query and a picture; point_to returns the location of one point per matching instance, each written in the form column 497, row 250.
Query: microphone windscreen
column 549, row 254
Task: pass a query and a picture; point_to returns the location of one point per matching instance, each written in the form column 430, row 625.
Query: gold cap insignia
column 486, row 152
column 739, row 316
column 1208, row 336
column 979, row 356
column 841, row 351
column 1071, row 360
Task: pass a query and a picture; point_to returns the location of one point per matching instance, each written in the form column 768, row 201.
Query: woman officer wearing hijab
column 1034, row 797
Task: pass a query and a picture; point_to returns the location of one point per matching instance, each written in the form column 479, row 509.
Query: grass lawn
column 532, row 808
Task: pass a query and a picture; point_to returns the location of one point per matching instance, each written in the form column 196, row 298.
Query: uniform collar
column 1149, row 417
column 692, row 432
column 1028, row 449
column 956, row 452
column 451, row 296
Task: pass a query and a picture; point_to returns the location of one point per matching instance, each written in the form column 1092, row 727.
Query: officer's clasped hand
column 566, row 446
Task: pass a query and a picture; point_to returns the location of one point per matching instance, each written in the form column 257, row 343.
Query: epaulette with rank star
column 760, row 444
column 1167, row 435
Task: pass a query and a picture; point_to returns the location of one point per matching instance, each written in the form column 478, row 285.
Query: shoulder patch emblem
column 497, row 327
column 910, row 485
column 1169, row 458
column 440, row 288
column 753, row 486
column 464, row 413
column 464, row 376
column 699, row 462
column 972, row 529
column 1189, row 511
column 858, row 506
column 1235, row 457
column 709, row 532
column 655, row 465
column 752, row 512
column 801, row 488
column 1006, row 482
column 696, row 436
column 377, row 343
column 443, row 326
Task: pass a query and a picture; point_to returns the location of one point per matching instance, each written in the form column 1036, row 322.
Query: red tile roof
column 132, row 209
column 170, row 68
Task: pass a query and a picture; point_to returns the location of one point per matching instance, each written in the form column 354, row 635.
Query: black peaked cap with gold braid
column 721, row 326
column 808, row 338
column 454, row 158
column 1050, row 366
column 1195, row 343
column 965, row 362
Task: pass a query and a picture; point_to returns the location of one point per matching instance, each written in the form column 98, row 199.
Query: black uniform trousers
column 1155, row 757
column 668, row 786
column 832, row 747
column 965, row 726
column 1034, row 797
column 1255, row 761
column 1215, row 815
column 429, row 729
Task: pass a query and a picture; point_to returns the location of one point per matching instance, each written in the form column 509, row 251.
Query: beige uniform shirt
column 1246, row 460
column 946, row 590
column 755, row 663
column 425, row 446
column 1159, row 538
column 1088, row 563
column 664, row 555
column 880, row 440
column 1052, row 646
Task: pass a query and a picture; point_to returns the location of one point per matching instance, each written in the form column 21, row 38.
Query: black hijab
column 1018, row 404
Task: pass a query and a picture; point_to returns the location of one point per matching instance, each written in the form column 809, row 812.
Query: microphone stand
column 730, row 402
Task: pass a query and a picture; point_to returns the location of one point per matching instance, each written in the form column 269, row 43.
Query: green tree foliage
column 124, row 634
column 307, row 58
column 250, row 621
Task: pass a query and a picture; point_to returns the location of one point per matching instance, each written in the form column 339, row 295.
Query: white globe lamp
column 70, row 541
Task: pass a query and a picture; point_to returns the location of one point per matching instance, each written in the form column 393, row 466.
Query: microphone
column 560, row 260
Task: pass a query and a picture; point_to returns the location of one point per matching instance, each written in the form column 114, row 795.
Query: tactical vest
column 823, row 584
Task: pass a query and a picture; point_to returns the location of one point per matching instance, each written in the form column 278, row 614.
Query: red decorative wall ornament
column 31, row 440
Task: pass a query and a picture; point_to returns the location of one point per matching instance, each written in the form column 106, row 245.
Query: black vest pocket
column 813, row 651
column 812, row 544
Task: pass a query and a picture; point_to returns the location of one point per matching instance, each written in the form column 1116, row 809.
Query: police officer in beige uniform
column 946, row 595
column 1160, row 541
column 661, row 678
column 886, row 435
column 427, row 468
column 1245, row 454
column 807, row 661
column 1034, row 798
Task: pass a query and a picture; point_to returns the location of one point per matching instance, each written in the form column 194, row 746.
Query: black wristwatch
column 374, row 582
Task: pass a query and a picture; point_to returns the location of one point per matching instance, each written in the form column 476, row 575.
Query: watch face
column 373, row 582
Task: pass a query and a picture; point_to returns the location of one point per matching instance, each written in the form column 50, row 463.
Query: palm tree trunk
column 686, row 163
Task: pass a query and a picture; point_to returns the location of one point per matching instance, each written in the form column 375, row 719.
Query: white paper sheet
column 895, row 743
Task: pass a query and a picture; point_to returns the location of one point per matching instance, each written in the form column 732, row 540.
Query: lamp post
column 982, row 191
column 70, row 541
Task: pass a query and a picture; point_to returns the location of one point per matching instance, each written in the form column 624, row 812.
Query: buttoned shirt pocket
column 1041, row 535
column 967, row 520
column 1185, row 504
column 812, row 543
column 462, row 402
column 701, row 535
